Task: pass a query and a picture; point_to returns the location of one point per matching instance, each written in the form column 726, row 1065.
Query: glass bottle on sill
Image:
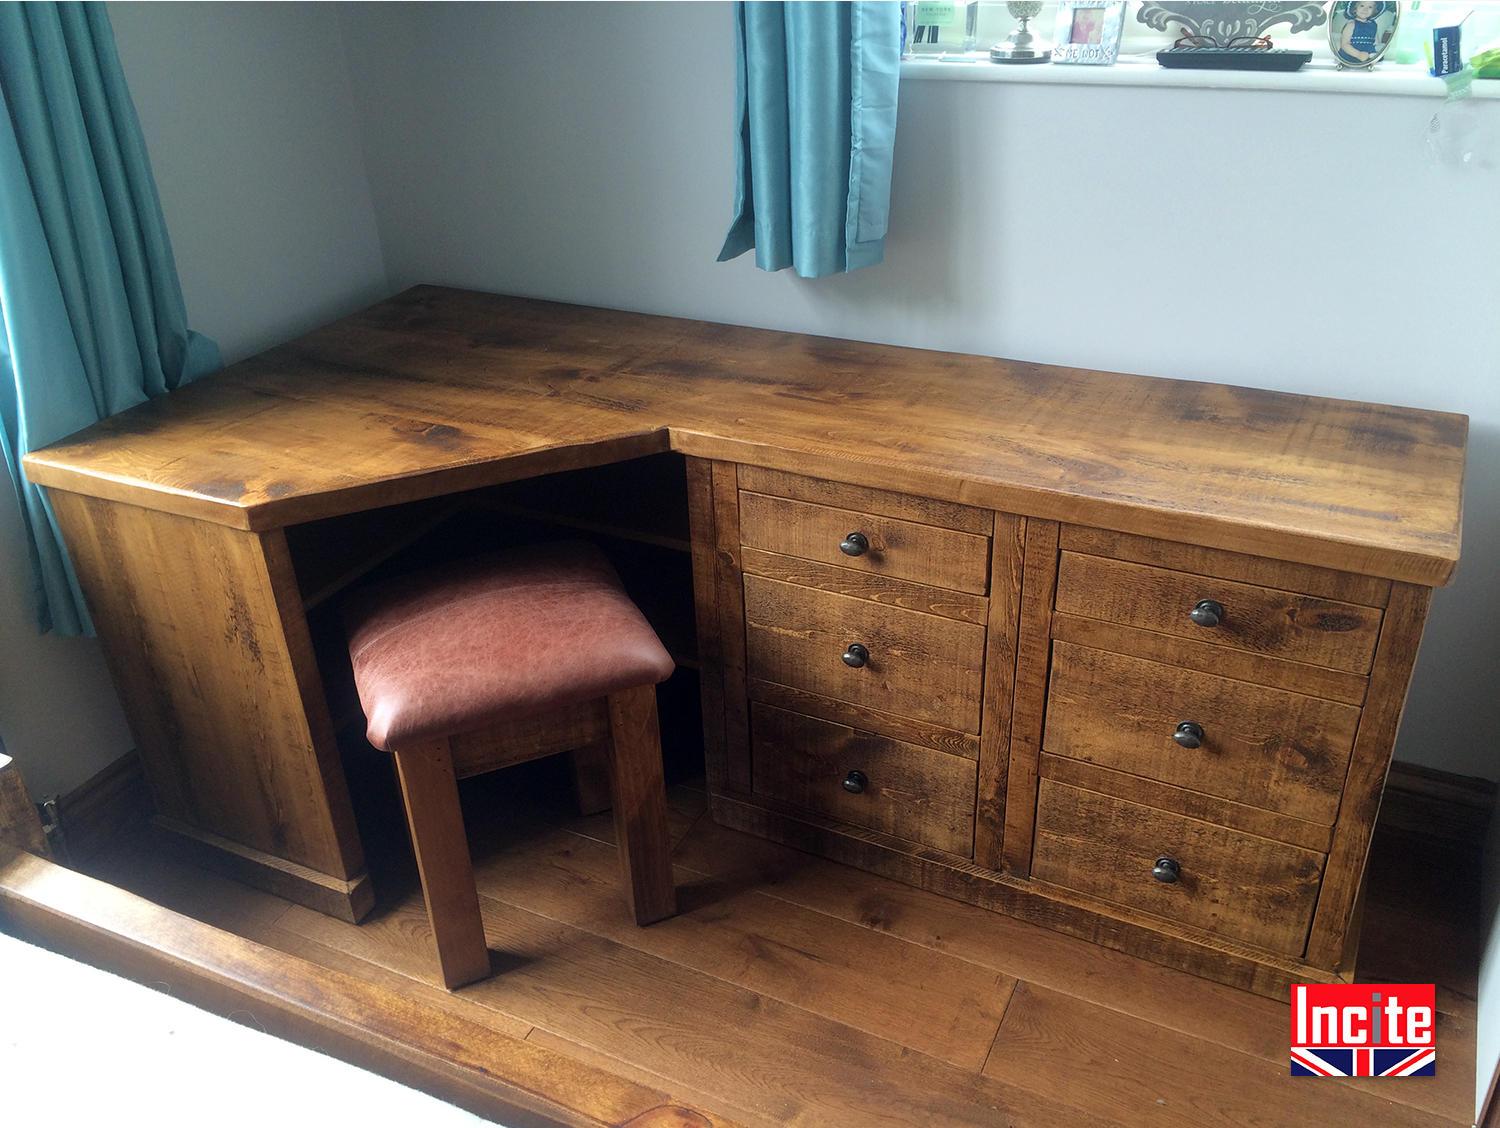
column 939, row 27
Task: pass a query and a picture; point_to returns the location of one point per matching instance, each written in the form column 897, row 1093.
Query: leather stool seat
column 495, row 660
column 494, row 638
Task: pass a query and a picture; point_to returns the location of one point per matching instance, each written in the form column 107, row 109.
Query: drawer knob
column 857, row 655
column 855, row 781
column 1207, row 613
column 855, row 544
column 1166, row 870
column 1189, row 734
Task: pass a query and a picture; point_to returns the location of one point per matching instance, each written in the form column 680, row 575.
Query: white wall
column 250, row 124
column 582, row 152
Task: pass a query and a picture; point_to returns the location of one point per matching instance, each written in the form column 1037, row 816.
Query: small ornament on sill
column 1360, row 32
column 1231, row 36
column 938, row 27
column 1021, row 46
column 1088, row 32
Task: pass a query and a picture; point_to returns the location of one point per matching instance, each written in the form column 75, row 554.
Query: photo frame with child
column 1089, row 32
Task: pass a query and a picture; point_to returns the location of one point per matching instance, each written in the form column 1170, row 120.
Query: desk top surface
column 437, row 390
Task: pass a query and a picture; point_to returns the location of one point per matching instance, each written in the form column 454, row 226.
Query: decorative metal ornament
column 1022, row 46
column 1360, row 32
column 1226, row 21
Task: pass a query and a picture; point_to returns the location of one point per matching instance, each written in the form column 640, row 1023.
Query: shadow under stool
column 499, row 659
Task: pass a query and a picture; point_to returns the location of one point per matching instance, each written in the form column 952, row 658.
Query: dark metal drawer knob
column 857, row 655
column 1207, row 613
column 1166, row 870
column 855, row 544
column 1189, row 734
column 855, row 781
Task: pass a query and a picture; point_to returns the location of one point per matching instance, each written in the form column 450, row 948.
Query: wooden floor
column 795, row 991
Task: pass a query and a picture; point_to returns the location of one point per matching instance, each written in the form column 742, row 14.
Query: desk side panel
column 205, row 638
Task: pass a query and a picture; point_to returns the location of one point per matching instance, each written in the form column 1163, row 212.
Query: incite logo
column 1363, row 1029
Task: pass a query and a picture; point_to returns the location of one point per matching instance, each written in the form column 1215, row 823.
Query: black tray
column 1232, row 58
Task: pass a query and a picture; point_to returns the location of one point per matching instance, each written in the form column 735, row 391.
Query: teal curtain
column 90, row 306
column 815, row 99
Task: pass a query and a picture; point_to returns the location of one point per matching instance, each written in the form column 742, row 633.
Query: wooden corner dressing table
column 1119, row 655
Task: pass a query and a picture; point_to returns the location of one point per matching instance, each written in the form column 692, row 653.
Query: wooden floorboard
column 791, row 990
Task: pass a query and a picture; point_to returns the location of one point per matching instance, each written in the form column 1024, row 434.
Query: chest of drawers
column 1171, row 749
column 981, row 693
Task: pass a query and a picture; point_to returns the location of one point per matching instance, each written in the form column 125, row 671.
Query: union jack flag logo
column 1364, row 1030
column 1324, row 1062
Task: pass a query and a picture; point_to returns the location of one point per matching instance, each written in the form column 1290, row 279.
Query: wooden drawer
column 1261, row 620
column 920, row 666
column 906, row 550
column 912, row 793
column 1266, row 747
column 1232, row 884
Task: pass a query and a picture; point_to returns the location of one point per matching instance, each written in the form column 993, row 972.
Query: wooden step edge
column 483, row 1071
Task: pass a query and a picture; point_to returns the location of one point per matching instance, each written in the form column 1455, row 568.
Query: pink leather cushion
column 494, row 638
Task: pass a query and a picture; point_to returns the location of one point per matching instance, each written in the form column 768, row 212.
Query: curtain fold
column 92, row 319
column 815, row 103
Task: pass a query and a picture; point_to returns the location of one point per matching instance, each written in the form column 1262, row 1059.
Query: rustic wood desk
column 1121, row 655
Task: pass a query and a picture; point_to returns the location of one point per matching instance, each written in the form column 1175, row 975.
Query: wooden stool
column 500, row 659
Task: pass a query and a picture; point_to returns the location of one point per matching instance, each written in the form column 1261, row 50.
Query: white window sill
column 1318, row 76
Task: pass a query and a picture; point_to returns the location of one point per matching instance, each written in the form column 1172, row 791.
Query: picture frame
column 1088, row 32
column 1360, row 32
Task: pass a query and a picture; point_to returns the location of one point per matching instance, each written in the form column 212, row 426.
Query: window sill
column 1318, row 76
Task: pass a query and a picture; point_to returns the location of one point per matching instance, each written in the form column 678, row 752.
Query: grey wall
column 1267, row 238
column 251, row 128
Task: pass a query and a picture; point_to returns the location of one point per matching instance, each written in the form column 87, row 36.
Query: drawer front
column 904, row 550
column 1300, row 628
column 919, row 666
column 1230, row 883
column 1268, row 748
column 909, row 792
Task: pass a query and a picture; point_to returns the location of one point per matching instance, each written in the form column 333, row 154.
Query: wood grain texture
column 526, row 738
column 589, row 764
column 20, row 824
column 203, row 633
column 864, row 585
column 711, row 681
column 1124, row 1069
column 904, row 729
column 912, row 792
column 902, row 550
column 919, row 666
column 1190, row 654
column 960, row 957
column 429, row 790
column 1007, row 561
column 936, row 1004
column 1345, row 587
column 1269, row 748
column 387, row 1030
column 1399, row 638
column 1234, row 884
column 436, row 390
column 1033, row 657
column 640, row 804
column 730, row 586
column 347, row 900
column 1184, row 947
column 1182, row 801
column 1261, row 620
column 844, row 495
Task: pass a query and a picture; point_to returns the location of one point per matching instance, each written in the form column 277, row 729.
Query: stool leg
column 591, row 776
column 641, row 804
column 430, row 790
